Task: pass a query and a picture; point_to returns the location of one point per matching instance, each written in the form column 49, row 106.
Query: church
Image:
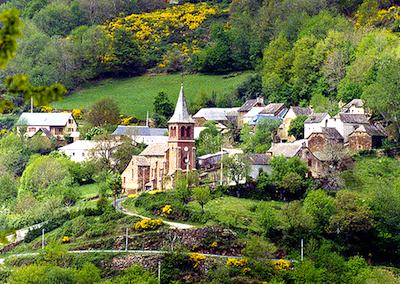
column 157, row 165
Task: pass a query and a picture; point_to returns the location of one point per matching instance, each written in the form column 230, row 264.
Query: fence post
column 126, row 240
column 43, row 238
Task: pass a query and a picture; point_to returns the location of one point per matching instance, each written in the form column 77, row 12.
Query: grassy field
column 135, row 95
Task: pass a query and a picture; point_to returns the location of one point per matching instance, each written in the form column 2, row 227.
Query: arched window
column 188, row 129
column 183, row 131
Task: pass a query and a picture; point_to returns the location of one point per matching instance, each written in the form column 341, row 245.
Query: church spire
column 181, row 114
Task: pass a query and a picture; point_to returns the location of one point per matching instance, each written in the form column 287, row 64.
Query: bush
column 147, row 224
column 49, row 226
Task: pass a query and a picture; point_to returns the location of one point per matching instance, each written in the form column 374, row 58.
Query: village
column 326, row 142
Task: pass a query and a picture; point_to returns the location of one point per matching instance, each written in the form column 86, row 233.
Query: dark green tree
column 163, row 109
column 296, row 127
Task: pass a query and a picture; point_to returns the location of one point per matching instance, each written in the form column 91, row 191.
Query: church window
column 183, row 131
column 188, row 131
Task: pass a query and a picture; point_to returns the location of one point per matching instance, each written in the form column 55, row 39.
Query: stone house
column 366, row 137
column 58, row 125
column 299, row 149
column 328, row 135
column 156, row 166
column 291, row 114
column 346, row 123
column 246, row 107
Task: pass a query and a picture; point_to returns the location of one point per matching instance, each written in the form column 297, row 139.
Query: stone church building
column 156, row 166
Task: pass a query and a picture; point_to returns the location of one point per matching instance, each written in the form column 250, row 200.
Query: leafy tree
column 289, row 175
column 353, row 220
column 296, row 127
column 8, row 188
column 210, row 139
column 259, row 141
column 56, row 19
column 320, row 206
column 202, row 196
column 383, row 96
column 126, row 55
column 14, row 154
column 217, row 57
column 104, row 112
column 163, row 109
column 236, row 168
column 43, row 172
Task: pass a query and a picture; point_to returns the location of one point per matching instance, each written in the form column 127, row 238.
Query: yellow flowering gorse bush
column 167, row 209
column 197, row 259
column 173, row 27
column 237, row 262
column 281, row 264
column 147, row 224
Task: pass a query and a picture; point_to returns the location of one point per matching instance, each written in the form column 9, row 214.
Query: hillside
column 135, row 95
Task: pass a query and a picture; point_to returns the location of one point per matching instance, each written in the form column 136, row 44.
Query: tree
column 56, row 19
column 320, row 206
column 126, row 55
column 289, row 175
column 383, row 96
column 260, row 140
column 236, row 168
column 353, row 220
column 104, row 112
column 43, row 172
column 8, row 188
column 202, row 196
column 296, row 127
column 163, row 109
column 210, row 139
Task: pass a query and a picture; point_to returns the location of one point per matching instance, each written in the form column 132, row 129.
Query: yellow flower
column 147, row 224
column 281, row 264
column 66, row 239
column 167, row 209
column 197, row 259
column 214, row 244
column 237, row 262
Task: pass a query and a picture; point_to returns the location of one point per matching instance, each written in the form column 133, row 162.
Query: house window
column 70, row 129
column 309, row 162
column 83, row 154
column 73, row 153
column 59, row 130
column 31, row 129
column 70, row 121
column 124, row 180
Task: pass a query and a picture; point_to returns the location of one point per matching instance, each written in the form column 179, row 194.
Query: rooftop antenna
column 31, row 104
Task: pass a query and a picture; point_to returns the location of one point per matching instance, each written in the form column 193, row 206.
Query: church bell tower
column 182, row 147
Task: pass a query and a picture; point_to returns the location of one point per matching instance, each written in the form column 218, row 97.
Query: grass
column 235, row 212
column 89, row 191
column 135, row 95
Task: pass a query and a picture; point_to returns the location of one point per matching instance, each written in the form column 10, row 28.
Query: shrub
column 237, row 262
column 147, row 224
column 197, row 259
column 49, row 226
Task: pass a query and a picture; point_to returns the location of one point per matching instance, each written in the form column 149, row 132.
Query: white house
column 84, row 150
column 346, row 123
column 58, row 125
column 315, row 122
column 221, row 115
column 356, row 106
column 259, row 162
column 143, row 134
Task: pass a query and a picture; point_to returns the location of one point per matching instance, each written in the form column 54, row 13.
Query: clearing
column 135, row 95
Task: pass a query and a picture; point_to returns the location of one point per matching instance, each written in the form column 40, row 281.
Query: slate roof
column 181, row 114
column 156, row 149
column 332, row 133
column 123, row 130
column 254, row 111
column 316, row 117
column 353, row 118
column 249, row 104
column 217, row 114
column 354, row 102
column 273, row 108
column 371, row 130
column 80, row 145
column 44, row 119
column 287, row 150
column 140, row 161
column 46, row 132
column 258, row 159
column 302, row 110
